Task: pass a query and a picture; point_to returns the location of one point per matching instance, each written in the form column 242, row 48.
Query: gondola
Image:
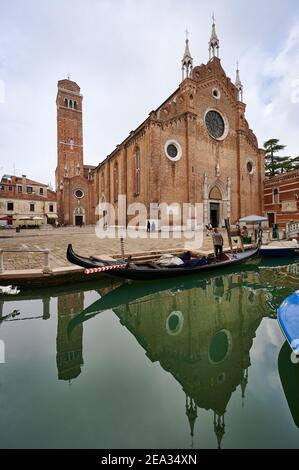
column 289, row 376
column 150, row 271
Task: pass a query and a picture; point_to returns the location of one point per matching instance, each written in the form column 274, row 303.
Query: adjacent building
column 24, row 202
column 281, row 198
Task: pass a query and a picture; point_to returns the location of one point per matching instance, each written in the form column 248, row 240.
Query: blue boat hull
column 283, row 251
column 288, row 319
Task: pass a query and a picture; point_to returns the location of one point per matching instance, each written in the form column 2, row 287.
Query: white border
column 226, row 126
column 178, row 147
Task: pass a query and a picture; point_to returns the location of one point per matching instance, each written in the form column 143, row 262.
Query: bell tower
column 69, row 139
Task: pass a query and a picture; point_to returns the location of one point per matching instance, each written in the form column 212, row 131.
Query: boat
column 144, row 271
column 289, row 377
column 282, row 249
column 288, row 319
column 9, row 290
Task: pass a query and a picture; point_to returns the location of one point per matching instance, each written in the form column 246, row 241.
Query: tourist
column 148, row 227
column 244, row 233
column 218, row 243
column 153, row 226
column 209, row 228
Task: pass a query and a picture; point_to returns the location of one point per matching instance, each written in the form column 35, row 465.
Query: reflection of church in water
column 69, row 348
column 202, row 336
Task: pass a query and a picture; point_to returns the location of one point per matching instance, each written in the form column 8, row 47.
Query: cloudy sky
column 125, row 55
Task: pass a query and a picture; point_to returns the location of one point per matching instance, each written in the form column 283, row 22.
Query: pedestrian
column 148, row 226
column 218, row 243
column 153, row 226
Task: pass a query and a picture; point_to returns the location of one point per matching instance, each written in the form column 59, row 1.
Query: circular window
column 216, row 93
column 220, row 346
column 250, row 167
column 174, row 323
column 173, row 150
column 215, row 124
column 79, row 193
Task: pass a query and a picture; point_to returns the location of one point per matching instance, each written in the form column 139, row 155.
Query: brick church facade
column 195, row 147
column 74, row 180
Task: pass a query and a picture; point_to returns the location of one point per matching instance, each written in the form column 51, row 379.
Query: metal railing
column 46, row 252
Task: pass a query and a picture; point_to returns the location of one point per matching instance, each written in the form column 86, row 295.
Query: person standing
column 218, row 243
column 148, row 226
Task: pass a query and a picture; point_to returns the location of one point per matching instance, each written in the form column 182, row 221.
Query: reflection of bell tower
column 219, row 427
column 191, row 412
column 69, row 349
column 243, row 383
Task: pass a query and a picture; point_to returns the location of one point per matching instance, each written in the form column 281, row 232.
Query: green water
column 149, row 365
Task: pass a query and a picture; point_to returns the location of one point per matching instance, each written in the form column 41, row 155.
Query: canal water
column 193, row 362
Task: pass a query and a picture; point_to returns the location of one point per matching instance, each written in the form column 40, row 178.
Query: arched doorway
column 215, row 199
column 79, row 216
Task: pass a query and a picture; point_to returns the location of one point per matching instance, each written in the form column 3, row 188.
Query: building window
column 41, row 191
column 79, row 193
column 173, row 150
column 9, row 188
column 51, row 208
column 31, row 207
column 75, row 104
column 137, row 171
column 29, row 189
column 275, row 196
column 65, row 102
column 10, row 206
column 71, row 104
column 2, row 187
column 115, row 181
column 20, row 189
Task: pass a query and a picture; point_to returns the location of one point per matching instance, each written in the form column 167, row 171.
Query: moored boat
column 288, row 319
column 151, row 271
column 280, row 249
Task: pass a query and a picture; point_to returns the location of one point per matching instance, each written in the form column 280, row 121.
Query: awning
column 7, row 217
column 25, row 218
column 253, row 218
column 37, row 218
column 52, row 216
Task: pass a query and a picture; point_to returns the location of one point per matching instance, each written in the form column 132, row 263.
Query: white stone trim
column 178, row 147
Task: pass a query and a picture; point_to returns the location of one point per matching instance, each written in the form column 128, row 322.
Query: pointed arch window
column 115, row 181
column 75, row 104
column 71, row 104
column 66, row 102
column 137, row 171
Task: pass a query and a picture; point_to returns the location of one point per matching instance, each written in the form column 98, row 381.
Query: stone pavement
column 84, row 241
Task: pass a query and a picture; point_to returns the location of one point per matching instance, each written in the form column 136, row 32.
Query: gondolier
column 218, row 243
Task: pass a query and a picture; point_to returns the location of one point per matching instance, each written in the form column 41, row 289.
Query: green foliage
column 276, row 164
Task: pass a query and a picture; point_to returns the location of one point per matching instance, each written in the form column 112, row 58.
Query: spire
column 219, row 427
column 191, row 412
column 238, row 84
column 187, row 61
column 243, row 383
column 214, row 41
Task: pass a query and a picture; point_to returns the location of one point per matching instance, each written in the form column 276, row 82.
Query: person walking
column 218, row 243
column 148, row 226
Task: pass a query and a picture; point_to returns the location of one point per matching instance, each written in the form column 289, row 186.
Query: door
column 214, row 213
column 271, row 218
column 79, row 220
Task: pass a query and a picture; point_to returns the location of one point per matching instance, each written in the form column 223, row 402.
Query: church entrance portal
column 79, row 220
column 214, row 213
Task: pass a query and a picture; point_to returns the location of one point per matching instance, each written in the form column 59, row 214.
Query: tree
column 274, row 164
